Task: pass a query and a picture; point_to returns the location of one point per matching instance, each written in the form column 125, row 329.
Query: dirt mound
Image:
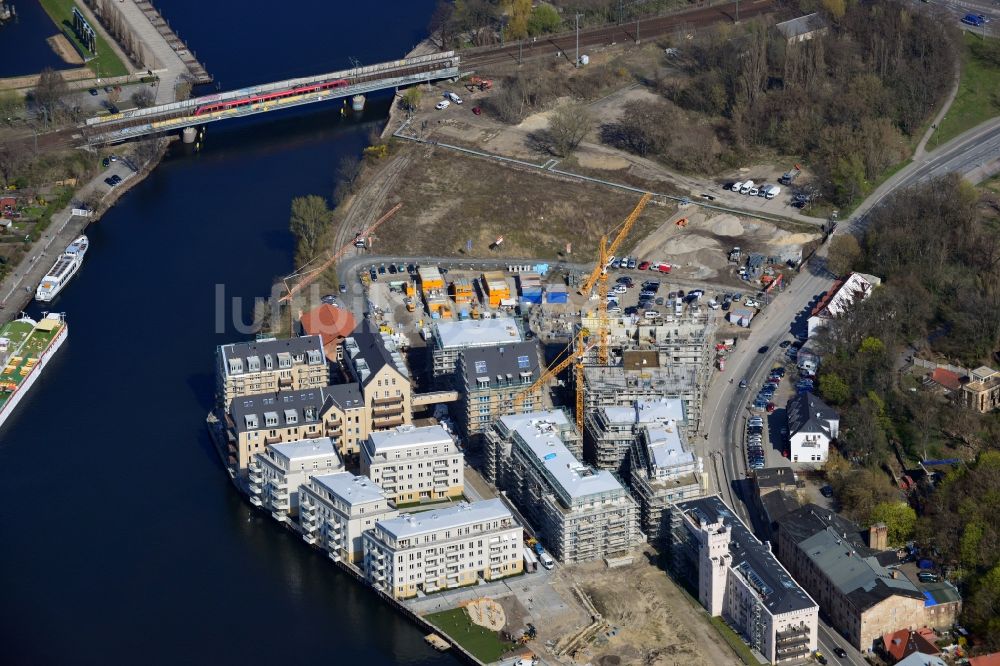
column 688, row 243
column 726, row 225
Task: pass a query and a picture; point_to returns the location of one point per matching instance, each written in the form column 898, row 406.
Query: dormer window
column 251, row 421
column 253, row 363
column 284, row 360
column 235, row 365
column 268, row 362
column 271, row 419
column 291, row 416
column 315, row 357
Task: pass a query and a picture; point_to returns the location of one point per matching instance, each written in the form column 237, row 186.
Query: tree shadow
column 541, row 141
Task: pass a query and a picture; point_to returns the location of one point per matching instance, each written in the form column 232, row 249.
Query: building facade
column 444, row 548
column 982, row 391
column 268, row 366
column 489, row 379
column 276, row 474
column 581, row 513
column 812, row 424
column 610, row 431
column 841, row 297
column 377, row 366
column 858, row 585
column 336, row 509
column 663, row 470
column 739, row 579
column 414, row 464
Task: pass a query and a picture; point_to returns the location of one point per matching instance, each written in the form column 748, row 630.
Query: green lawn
column 977, row 99
column 742, row 649
column 484, row 644
column 106, row 63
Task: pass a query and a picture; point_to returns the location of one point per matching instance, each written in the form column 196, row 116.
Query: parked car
column 453, row 97
column 840, row 652
column 477, row 111
column 643, row 265
column 631, row 262
column 826, row 491
column 771, row 407
column 373, row 274
column 343, row 288
column 651, row 314
column 785, row 344
column 442, row 105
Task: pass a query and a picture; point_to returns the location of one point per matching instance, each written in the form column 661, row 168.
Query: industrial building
column 450, row 338
column 414, row 464
column 269, row 365
column 336, row 509
column 276, row 473
column 489, row 379
column 856, row 579
column 421, row 553
column 663, row 469
column 738, row 578
column 609, row 431
column 579, row 512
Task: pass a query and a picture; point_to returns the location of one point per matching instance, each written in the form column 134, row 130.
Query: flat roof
column 465, row 513
column 476, row 333
column 405, row 436
column 752, row 559
column 540, row 432
column 351, row 488
column 666, row 448
column 647, row 411
column 319, row 447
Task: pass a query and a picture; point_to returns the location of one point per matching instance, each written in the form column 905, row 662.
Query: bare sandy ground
column 64, row 49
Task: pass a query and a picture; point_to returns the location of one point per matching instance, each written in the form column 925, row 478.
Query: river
column 23, row 49
column 122, row 539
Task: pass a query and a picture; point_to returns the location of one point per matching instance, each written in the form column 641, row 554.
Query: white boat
column 63, row 270
column 26, row 346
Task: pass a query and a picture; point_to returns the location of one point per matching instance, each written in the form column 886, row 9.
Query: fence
column 931, row 365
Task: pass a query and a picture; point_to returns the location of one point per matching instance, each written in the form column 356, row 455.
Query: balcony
column 783, row 652
column 377, row 402
column 272, row 440
column 307, row 509
column 385, row 424
column 254, row 487
column 309, row 539
column 256, row 501
column 279, row 491
column 255, row 476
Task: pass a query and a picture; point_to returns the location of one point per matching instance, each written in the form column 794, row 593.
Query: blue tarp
column 557, row 297
column 535, row 297
column 926, row 564
column 929, row 599
column 541, row 269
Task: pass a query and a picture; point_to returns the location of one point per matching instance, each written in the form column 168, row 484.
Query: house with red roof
column 855, row 288
column 332, row 324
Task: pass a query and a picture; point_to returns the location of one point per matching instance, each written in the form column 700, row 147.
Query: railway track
column 477, row 59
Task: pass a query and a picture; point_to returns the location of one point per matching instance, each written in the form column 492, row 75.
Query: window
column 480, row 367
column 523, row 362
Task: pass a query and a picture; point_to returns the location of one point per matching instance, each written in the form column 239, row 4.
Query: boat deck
column 27, row 344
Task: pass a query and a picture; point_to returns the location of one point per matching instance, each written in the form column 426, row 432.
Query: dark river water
column 121, row 539
column 23, row 49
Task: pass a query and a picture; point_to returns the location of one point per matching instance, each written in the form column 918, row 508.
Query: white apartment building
column 444, row 548
column 450, row 338
column 414, row 464
column 276, row 474
column 336, row 509
column 663, row 469
column 580, row 513
column 738, row 578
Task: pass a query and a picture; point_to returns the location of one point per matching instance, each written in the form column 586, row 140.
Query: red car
column 771, row 407
column 476, row 110
column 664, row 268
column 643, row 265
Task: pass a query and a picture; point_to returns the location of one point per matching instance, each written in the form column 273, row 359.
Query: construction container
column 495, row 287
column 430, row 278
column 557, row 293
column 462, row 291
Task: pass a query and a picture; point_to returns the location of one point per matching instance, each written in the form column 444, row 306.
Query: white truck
column 546, row 560
column 746, row 187
column 771, row 191
column 530, row 561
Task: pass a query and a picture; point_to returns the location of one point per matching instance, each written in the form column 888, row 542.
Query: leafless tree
column 569, row 124
column 49, row 93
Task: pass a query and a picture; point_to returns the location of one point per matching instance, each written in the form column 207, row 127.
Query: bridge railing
column 270, row 87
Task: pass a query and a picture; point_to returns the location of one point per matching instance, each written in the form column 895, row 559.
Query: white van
column 651, row 314
column 762, row 190
column 737, row 186
column 453, row 97
column 772, row 191
column 747, row 186
column 678, row 307
column 546, row 560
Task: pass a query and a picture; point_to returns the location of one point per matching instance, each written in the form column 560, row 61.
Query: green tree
column 310, row 221
column 872, row 345
column 834, row 389
column 544, row 18
column 518, row 12
column 899, row 517
column 836, row 8
column 844, row 252
column 968, row 548
column 410, row 100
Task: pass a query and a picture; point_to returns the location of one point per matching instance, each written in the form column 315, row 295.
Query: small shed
column 740, row 317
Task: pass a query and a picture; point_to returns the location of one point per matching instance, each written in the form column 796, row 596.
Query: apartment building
column 414, row 464
column 489, row 379
column 738, row 578
column 663, row 469
column 336, row 509
column 610, row 431
column 856, row 578
column 450, row 338
column 253, row 422
column 376, row 364
column 579, row 512
column 444, row 548
column 276, row 473
column 812, row 425
column 268, row 366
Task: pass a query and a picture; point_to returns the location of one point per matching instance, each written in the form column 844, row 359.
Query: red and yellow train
column 229, row 104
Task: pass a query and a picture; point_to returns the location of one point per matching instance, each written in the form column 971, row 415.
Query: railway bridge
column 126, row 125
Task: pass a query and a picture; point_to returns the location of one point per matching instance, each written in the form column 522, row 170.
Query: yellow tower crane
column 574, row 354
column 599, row 276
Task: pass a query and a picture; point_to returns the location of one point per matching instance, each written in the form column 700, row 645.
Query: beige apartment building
column 336, row 509
column 414, row 464
column 377, row 365
column 269, row 366
column 444, row 548
column 276, row 473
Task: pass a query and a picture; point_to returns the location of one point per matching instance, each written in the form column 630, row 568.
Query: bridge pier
column 189, row 134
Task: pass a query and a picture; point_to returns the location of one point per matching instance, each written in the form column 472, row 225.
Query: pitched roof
column 369, row 345
column 992, row 659
column 774, row 477
column 802, row 25
column 330, row 323
column 807, row 413
column 844, row 293
column 946, row 378
column 478, row 363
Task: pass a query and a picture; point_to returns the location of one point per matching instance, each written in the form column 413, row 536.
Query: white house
column 855, row 288
column 811, row 425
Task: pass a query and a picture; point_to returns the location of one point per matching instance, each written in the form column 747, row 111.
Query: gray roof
column 489, row 362
column 774, row 477
column 290, row 407
column 856, row 573
column 464, row 513
column 662, row 410
column 369, row 345
column 303, row 449
column 346, row 396
column 406, row 436
column 351, row 489
column 812, row 519
column 571, row 479
column 807, row 413
column 801, row 26
column 476, row 333
column 270, row 347
column 779, row 503
column 752, row 558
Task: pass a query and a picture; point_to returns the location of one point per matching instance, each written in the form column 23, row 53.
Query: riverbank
column 17, row 290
